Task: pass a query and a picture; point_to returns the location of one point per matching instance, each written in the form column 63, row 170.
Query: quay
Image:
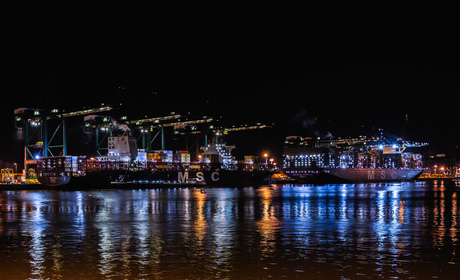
column 22, row 187
column 121, row 186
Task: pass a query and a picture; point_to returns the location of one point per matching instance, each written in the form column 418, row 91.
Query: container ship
column 125, row 164
column 362, row 159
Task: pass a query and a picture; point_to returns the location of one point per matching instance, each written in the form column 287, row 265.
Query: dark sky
column 338, row 79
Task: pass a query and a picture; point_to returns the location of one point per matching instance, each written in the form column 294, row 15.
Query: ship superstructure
column 358, row 159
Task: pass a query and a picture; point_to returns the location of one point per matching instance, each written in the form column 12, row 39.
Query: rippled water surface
column 396, row 230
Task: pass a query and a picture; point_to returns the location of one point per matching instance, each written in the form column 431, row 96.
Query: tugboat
column 362, row 159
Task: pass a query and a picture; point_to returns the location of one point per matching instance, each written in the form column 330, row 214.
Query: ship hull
column 358, row 175
column 362, row 175
column 91, row 180
column 209, row 178
column 54, row 181
column 113, row 178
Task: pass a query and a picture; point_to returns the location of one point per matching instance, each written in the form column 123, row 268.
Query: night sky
column 346, row 82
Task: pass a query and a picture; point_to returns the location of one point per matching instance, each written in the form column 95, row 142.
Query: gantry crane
column 39, row 124
column 36, row 126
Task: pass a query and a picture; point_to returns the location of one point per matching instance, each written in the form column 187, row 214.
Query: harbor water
column 407, row 230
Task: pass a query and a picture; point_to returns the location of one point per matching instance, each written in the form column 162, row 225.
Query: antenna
column 406, row 121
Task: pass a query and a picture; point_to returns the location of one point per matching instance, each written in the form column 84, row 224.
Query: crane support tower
column 39, row 124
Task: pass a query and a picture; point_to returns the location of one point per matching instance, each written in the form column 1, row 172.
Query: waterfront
column 405, row 230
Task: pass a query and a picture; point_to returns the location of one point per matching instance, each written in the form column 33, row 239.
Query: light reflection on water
column 401, row 230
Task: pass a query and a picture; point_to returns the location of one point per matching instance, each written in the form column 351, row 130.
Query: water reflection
column 268, row 225
column 200, row 224
column 335, row 231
